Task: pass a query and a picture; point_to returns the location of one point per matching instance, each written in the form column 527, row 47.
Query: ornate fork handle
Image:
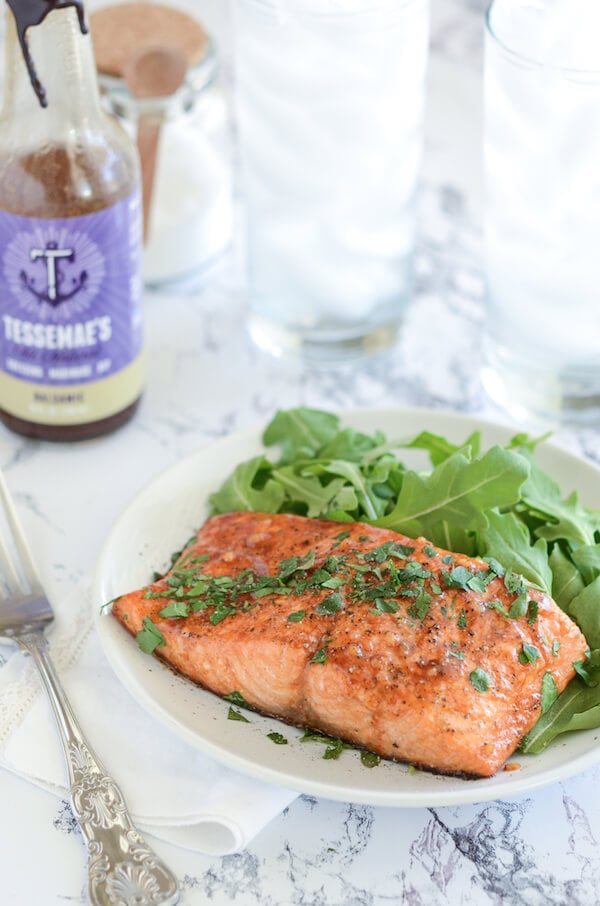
column 122, row 868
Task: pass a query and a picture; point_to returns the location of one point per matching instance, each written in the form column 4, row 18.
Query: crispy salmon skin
column 383, row 641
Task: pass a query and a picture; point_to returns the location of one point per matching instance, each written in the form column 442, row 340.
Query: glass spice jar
column 190, row 219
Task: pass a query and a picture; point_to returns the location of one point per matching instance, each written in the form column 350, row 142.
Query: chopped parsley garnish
column 381, row 605
column 529, row 654
column 456, row 652
column 232, row 714
column 109, row 603
column 335, row 747
column 477, row 583
column 175, row 609
column 320, row 656
column 549, row 692
column 236, row 698
column 583, row 674
column 277, row 738
column 514, row 583
column 419, row 608
column 220, row 612
column 294, row 564
column 296, row 616
column 481, row 680
column 496, row 569
column 459, row 577
column 150, row 637
column 518, row 608
column 369, row 759
column 386, row 550
column 332, row 604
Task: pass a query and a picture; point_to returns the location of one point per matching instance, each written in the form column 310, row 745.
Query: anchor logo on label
column 54, row 271
column 55, row 291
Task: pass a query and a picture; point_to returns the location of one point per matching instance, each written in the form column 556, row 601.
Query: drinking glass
column 542, row 214
column 329, row 107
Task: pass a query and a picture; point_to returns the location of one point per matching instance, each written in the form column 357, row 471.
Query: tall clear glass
column 330, row 102
column 542, row 212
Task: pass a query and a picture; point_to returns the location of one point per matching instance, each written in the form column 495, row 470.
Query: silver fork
column 122, row 868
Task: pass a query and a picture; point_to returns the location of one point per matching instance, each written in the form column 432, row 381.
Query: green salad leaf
column 497, row 503
column 250, row 487
column 459, row 490
column 507, row 539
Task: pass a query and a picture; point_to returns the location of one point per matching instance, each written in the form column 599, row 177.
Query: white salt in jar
column 190, row 218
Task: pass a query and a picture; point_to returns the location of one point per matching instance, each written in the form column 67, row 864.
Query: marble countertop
column 205, row 380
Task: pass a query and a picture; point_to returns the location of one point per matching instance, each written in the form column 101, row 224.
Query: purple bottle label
column 70, row 295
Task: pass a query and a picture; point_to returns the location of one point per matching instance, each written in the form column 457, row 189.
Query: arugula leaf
column 508, row 540
column 453, row 538
column 440, row 448
column 567, row 581
column 577, row 708
column 563, row 518
column 350, row 445
column 308, row 489
column 525, row 443
column 584, row 608
column 243, row 492
column 458, row 490
column 300, row 432
column 587, row 560
column 372, row 505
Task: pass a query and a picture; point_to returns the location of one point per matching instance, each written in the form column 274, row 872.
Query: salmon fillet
column 385, row 642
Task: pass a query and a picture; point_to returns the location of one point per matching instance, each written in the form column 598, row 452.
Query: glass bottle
column 70, row 236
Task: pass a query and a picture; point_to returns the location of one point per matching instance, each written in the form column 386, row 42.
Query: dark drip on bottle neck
column 29, row 13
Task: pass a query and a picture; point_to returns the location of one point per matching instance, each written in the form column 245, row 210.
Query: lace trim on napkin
column 20, row 682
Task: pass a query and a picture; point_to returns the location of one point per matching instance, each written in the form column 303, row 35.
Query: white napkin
column 173, row 791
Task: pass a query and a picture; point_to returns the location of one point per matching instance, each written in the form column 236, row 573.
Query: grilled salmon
column 385, row 642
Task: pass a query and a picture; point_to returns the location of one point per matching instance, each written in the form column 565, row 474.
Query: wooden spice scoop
column 149, row 45
column 152, row 73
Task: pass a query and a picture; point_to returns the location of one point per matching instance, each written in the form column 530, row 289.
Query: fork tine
column 21, row 546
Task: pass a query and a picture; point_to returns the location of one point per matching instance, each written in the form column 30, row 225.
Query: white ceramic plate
column 164, row 515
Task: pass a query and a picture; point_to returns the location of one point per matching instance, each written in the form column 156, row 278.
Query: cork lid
column 121, row 30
